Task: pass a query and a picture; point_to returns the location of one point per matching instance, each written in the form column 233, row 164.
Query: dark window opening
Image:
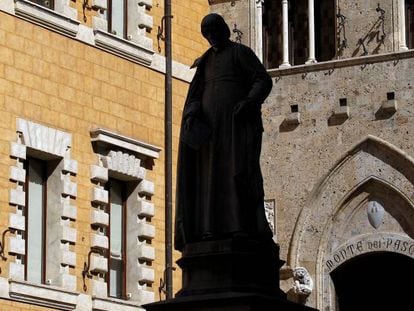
column 298, row 32
column 409, row 23
column 374, row 281
column 272, row 34
column 343, row 102
column 325, row 30
column 390, row 96
column 50, row 4
column 294, row 108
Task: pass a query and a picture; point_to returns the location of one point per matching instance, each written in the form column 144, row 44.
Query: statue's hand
column 241, row 108
column 189, row 120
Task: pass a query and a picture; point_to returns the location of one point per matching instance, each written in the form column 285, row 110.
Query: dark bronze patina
column 219, row 182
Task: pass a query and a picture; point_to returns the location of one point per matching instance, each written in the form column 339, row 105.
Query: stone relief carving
column 375, row 213
column 269, row 207
column 303, row 283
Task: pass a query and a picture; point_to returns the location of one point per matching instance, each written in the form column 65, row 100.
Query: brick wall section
column 65, row 84
column 17, row 306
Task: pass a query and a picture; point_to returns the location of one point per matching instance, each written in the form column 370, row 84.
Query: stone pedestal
column 234, row 274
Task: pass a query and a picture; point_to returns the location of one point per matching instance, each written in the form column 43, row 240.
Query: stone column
column 401, row 19
column 311, row 27
column 259, row 29
column 285, row 11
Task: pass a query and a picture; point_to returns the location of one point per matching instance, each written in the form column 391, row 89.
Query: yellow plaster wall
column 65, row 84
column 188, row 44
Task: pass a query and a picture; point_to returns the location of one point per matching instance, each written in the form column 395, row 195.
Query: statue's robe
column 219, row 182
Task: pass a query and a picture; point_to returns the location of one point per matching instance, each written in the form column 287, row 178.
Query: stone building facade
column 338, row 148
column 81, row 101
column 81, row 149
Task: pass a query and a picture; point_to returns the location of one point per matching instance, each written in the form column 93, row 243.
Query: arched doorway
column 374, row 281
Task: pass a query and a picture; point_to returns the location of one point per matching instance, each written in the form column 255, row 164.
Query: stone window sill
column 46, row 17
column 123, row 48
column 43, row 295
column 111, row 304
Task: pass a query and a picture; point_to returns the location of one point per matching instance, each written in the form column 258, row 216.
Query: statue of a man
column 219, row 182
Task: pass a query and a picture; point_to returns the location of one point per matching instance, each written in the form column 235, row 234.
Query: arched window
column 298, row 31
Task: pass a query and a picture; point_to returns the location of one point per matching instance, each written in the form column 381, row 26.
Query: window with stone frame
column 129, row 20
column 122, row 233
column 44, row 211
column 409, row 20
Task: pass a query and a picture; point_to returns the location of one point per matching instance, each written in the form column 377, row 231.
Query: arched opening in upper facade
column 374, row 281
column 409, row 23
column 298, row 31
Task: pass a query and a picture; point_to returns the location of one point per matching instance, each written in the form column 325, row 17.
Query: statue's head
column 215, row 29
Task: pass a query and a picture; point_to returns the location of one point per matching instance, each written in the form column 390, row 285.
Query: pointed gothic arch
column 372, row 168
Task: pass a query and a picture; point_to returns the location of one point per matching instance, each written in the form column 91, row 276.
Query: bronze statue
column 219, row 182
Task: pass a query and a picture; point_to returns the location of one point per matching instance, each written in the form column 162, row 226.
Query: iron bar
column 168, row 152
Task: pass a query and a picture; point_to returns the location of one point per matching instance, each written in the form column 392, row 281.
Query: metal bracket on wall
column 162, row 289
column 160, row 32
column 85, row 5
column 382, row 21
column 238, row 32
column 361, row 43
column 2, row 244
column 343, row 44
column 86, row 266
